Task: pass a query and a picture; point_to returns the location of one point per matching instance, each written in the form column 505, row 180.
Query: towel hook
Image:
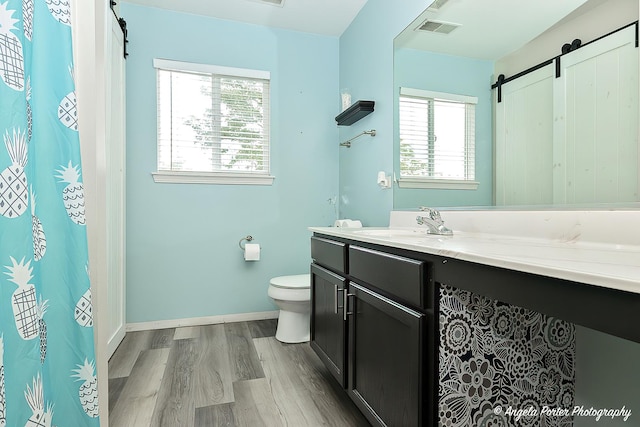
column 248, row 239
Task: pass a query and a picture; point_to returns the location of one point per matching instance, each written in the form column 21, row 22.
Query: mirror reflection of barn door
column 596, row 122
column 571, row 138
column 524, row 140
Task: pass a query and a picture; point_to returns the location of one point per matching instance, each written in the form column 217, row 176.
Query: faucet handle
column 433, row 221
column 434, row 214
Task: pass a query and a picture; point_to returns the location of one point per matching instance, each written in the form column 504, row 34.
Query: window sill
column 212, row 178
column 443, row 184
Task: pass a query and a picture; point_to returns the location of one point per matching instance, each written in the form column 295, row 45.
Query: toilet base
column 293, row 327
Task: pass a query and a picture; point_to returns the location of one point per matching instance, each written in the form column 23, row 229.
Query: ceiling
column 489, row 29
column 327, row 17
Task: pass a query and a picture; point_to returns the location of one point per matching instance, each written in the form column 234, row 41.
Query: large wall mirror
column 564, row 135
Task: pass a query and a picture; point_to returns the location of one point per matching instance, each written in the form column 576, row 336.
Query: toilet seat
column 292, row 294
column 299, row 281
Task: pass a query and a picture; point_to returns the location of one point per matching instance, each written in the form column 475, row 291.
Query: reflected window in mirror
column 437, row 139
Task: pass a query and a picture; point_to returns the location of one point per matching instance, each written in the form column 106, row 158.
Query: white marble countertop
column 609, row 265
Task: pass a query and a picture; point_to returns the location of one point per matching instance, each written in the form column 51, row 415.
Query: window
column 213, row 124
column 437, row 140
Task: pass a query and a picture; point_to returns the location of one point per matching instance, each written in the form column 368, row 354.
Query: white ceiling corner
column 326, row 17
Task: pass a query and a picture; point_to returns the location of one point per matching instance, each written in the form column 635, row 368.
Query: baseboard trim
column 200, row 321
column 115, row 341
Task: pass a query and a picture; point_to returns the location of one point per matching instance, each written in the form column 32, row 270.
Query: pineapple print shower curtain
column 47, row 362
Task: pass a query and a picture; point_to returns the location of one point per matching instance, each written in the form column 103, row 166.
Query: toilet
column 292, row 295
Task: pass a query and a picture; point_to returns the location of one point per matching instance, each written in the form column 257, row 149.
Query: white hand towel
column 348, row 223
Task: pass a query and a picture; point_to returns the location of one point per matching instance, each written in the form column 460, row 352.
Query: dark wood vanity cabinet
column 328, row 293
column 377, row 313
column 372, row 325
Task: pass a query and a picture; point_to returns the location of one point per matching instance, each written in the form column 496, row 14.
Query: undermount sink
column 395, row 232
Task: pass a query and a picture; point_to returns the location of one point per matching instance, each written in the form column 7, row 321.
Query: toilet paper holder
column 247, row 238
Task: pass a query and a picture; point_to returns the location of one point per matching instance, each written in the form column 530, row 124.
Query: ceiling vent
column 437, row 27
column 436, row 5
column 278, row 3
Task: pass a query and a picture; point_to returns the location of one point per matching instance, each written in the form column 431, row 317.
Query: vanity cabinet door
column 328, row 326
column 385, row 359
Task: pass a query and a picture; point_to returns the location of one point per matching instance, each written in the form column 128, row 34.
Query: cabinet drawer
column 329, row 253
column 399, row 276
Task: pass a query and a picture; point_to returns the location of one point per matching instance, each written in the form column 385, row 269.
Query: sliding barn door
column 596, row 122
column 524, row 140
column 115, row 185
column 571, row 137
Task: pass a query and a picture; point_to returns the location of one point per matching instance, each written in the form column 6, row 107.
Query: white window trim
column 224, row 178
column 443, row 184
column 238, row 178
column 408, row 91
column 167, row 64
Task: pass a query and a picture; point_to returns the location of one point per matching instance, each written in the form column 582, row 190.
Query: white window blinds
column 437, row 135
column 212, row 119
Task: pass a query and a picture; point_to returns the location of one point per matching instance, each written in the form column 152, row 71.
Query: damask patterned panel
column 502, row 365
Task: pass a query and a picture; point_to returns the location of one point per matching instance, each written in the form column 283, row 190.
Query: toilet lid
column 299, row 281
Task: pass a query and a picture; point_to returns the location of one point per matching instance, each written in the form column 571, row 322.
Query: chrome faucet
column 433, row 221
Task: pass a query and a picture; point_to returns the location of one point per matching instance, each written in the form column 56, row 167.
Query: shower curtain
column 47, row 361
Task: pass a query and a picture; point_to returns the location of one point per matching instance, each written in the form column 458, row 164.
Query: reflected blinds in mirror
column 437, row 135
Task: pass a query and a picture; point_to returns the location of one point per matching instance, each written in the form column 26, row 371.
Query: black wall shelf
column 354, row 113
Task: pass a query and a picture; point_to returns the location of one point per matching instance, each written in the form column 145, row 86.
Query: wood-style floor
column 232, row 374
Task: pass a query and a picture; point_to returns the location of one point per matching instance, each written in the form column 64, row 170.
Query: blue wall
column 183, row 258
column 366, row 68
column 449, row 74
